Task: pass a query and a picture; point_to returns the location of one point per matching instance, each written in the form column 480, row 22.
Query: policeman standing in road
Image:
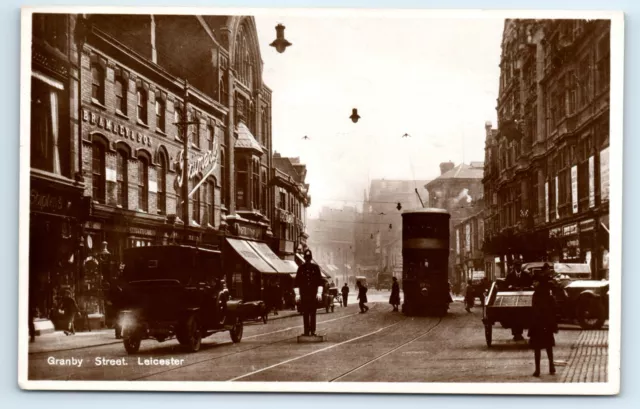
column 308, row 278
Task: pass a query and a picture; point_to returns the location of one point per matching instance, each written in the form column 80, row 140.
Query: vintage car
column 578, row 297
column 324, row 300
column 175, row 291
column 254, row 310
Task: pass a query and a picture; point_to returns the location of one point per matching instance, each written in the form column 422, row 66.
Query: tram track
column 243, row 350
column 389, row 352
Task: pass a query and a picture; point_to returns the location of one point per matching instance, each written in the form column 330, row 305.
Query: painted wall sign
column 115, row 127
column 49, row 202
column 249, row 231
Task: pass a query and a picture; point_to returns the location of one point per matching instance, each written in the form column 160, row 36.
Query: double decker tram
column 425, row 261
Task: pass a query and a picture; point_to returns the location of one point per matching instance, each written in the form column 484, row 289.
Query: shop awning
column 292, row 265
column 272, row 258
column 245, row 251
column 300, row 261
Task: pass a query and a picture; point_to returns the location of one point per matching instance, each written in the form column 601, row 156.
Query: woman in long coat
column 394, row 299
column 543, row 323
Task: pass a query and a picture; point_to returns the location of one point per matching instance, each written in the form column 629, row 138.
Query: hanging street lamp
column 280, row 43
column 354, row 115
column 399, row 206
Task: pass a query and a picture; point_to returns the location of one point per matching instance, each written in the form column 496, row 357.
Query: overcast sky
column 435, row 79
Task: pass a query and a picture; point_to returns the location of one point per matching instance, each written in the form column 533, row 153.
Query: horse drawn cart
column 511, row 309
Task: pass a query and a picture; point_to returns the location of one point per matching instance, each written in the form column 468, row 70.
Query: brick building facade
column 118, row 86
column 546, row 181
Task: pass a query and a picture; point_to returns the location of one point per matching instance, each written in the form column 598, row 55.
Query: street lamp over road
column 354, row 115
column 280, row 43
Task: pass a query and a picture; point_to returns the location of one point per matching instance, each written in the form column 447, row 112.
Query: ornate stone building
column 546, row 179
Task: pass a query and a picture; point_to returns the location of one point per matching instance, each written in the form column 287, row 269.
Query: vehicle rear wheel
column 237, row 331
column 590, row 313
column 132, row 344
column 488, row 333
column 191, row 335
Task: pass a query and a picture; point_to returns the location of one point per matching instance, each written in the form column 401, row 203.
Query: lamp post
column 105, row 261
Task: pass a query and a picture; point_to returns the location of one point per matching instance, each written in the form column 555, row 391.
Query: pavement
column 380, row 345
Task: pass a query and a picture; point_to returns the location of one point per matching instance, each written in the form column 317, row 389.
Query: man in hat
column 518, row 279
column 308, row 278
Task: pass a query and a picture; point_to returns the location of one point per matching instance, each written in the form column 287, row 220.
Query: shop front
column 56, row 206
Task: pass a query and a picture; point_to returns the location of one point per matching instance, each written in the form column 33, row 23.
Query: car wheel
column 132, row 344
column 590, row 313
column 191, row 337
column 237, row 331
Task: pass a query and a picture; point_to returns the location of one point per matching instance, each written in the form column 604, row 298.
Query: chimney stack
column 446, row 166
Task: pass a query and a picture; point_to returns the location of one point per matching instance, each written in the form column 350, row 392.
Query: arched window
column 143, row 183
column 122, row 179
column 160, row 115
column 223, row 177
column 264, row 129
column 196, row 201
column 161, row 176
column 97, row 83
column 256, row 185
column 98, row 172
column 142, row 105
column 121, row 96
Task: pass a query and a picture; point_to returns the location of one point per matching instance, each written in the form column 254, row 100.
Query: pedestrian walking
column 543, row 321
column 345, row 294
column 394, row 299
column 469, row 297
column 308, row 278
column 70, row 309
column 362, row 297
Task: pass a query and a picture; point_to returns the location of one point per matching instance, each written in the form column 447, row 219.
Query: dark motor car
column 175, row 291
column 578, row 297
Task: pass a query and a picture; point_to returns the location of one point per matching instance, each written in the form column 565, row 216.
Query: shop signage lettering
column 247, row 231
column 574, row 189
column 286, row 217
column 555, row 232
column 115, row 128
column 570, row 230
column 134, row 230
column 592, row 190
column 48, row 202
column 587, row 225
column 204, row 164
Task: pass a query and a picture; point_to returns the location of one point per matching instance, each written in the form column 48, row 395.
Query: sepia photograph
column 334, row 200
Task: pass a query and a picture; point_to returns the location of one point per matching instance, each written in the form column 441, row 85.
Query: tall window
column 142, row 105
column 121, row 96
column 45, row 154
column 194, row 129
column 196, row 201
column 242, row 176
column 161, row 177
column 223, row 177
column 211, row 202
column 97, row 83
column 263, row 201
column 282, row 204
column 256, row 185
column 264, row 131
column 143, row 183
column 98, row 173
column 210, row 137
column 160, row 115
column 121, row 179
column 177, row 118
